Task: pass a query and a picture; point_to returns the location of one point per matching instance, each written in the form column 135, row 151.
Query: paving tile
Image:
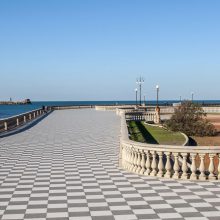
column 66, row 167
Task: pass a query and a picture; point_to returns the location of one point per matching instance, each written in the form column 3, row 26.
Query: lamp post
column 140, row 81
column 136, row 95
column 157, row 87
column 157, row 110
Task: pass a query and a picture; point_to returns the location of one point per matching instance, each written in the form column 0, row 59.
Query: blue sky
column 95, row 50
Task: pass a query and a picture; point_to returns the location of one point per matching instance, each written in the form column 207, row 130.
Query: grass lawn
column 141, row 132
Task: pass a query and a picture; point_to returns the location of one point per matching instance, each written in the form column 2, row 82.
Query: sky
column 95, row 49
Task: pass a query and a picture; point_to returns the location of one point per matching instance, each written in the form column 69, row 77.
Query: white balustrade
column 176, row 167
column 159, row 163
column 148, row 164
column 211, row 167
column 6, row 125
column 202, row 167
column 193, row 167
column 154, row 164
column 184, row 166
column 143, row 161
column 168, row 165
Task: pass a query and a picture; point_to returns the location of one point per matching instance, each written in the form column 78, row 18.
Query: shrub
column 190, row 119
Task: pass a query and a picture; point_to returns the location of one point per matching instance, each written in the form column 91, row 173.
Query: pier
column 23, row 102
column 66, row 167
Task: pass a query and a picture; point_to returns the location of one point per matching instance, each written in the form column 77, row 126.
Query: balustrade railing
column 8, row 124
column 177, row 162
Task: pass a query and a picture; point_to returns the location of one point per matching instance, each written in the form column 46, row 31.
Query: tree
column 190, row 119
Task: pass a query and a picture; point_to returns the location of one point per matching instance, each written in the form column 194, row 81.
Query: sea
column 7, row 111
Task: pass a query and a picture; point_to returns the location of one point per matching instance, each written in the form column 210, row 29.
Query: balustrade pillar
column 126, row 155
column 184, row 167
column 218, row 166
column 202, row 175
column 132, row 161
column 168, row 165
column 123, row 157
column 193, row 175
column 6, row 125
column 129, row 159
column 176, row 166
column 25, row 119
column 29, row 116
column 143, row 161
column 17, row 121
column 160, row 165
column 148, row 164
column 154, row 164
column 135, row 162
column 34, row 115
column 211, row 167
column 138, row 162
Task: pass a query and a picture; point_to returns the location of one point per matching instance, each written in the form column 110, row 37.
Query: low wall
column 8, row 124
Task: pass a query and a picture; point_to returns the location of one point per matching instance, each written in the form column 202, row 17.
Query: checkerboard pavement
column 66, row 167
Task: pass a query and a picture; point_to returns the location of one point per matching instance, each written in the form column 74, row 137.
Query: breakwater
column 23, row 102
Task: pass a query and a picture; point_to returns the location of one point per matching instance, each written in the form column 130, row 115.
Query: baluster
column 29, row 116
column 154, row 164
column 17, row 120
column 143, row 161
column 129, row 159
column 160, row 165
column 126, row 158
column 218, row 166
column 168, row 165
column 184, row 167
column 123, row 157
column 6, row 125
column 211, row 167
column 138, row 162
column 193, row 167
column 176, row 166
column 148, row 164
column 135, row 162
column 202, row 175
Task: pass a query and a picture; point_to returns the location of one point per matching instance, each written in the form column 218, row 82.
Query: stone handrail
column 8, row 124
column 113, row 107
column 178, row 162
column 72, row 107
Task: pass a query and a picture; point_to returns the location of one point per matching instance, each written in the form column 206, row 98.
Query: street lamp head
column 136, row 90
column 157, row 86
